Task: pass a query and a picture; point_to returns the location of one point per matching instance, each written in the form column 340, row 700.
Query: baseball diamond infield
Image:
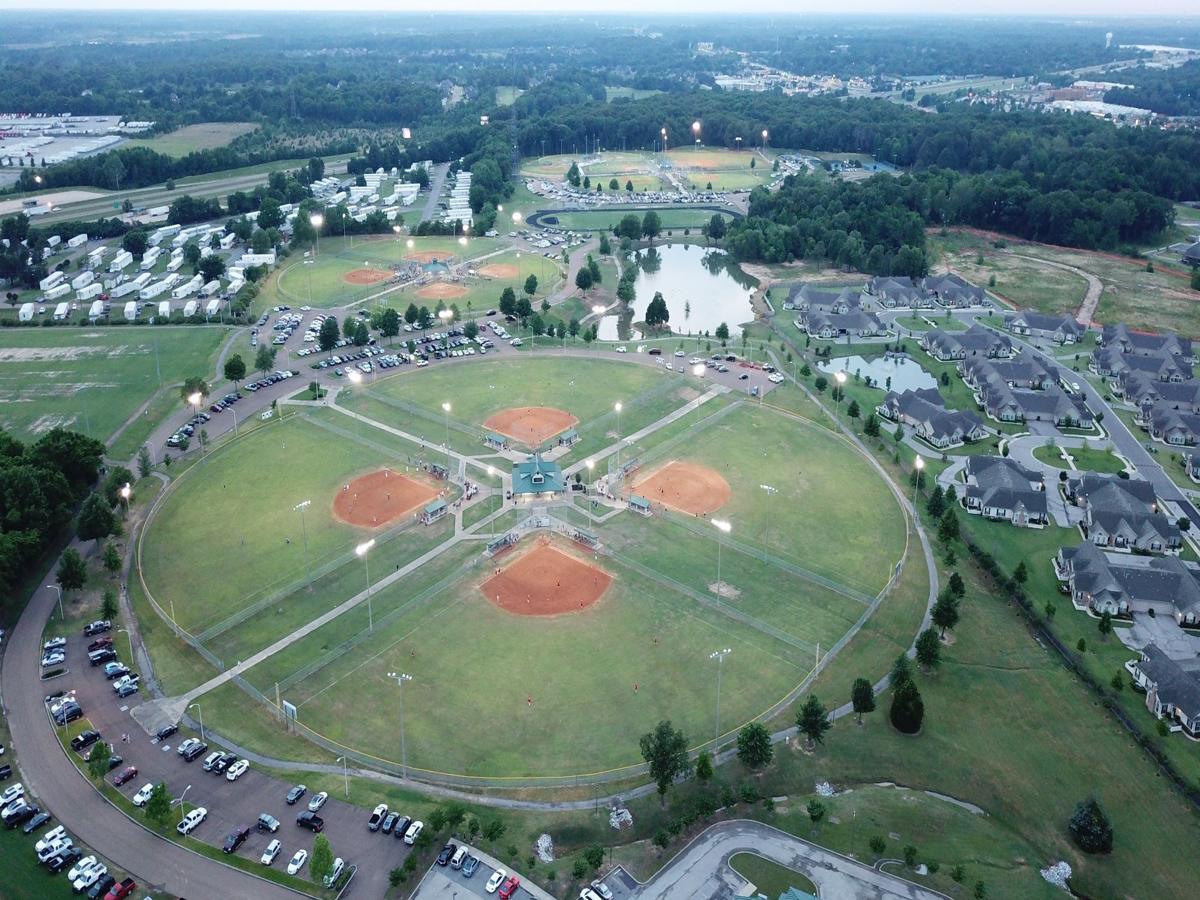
column 500, row 270
column 441, row 290
column 687, row 487
column 366, row 276
column 380, row 498
column 546, row 581
column 532, row 425
column 428, row 256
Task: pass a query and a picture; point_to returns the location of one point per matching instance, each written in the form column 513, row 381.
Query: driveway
column 701, row 871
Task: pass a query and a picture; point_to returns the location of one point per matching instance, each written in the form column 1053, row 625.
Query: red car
column 121, row 890
column 509, row 887
column 126, row 775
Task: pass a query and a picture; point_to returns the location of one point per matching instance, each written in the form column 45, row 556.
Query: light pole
column 200, row 716
column 771, row 491
column 918, row 466
column 396, row 231
column 345, row 774
column 300, row 508
column 316, row 220
column 182, row 796
column 617, row 407
column 664, row 141
column 58, row 587
column 719, row 656
column 491, row 470
column 446, row 422
column 840, row 378
column 400, row 678
column 738, row 141
column 125, row 492
column 764, row 137
column 361, row 550
column 696, row 132
column 194, row 398
column 723, row 527
column 446, row 315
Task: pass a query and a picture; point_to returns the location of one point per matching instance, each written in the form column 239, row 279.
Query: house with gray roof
column 1123, row 585
column 1172, row 691
column 1145, row 392
column 898, row 293
column 1002, row 489
column 975, row 341
column 954, row 292
column 1122, row 514
column 1005, row 402
column 805, row 297
column 1179, row 429
column 1059, row 329
column 1024, row 371
column 1191, row 256
column 1139, row 343
column 828, row 325
column 1191, row 464
column 924, row 411
column 1111, row 362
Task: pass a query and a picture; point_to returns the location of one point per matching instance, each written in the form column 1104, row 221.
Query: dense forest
column 1169, row 92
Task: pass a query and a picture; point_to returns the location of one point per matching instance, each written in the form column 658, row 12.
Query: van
column 460, row 857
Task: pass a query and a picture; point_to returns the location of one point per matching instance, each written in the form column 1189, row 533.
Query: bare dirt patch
column 546, row 581
column 380, row 498
column 441, row 290
column 426, row 256
column 366, row 276
column 500, row 270
column 688, row 487
column 532, row 425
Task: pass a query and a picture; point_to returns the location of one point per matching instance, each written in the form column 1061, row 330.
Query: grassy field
column 507, row 94
column 204, row 136
column 929, row 321
column 1086, row 459
column 606, row 219
column 725, row 170
column 93, row 379
column 614, row 92
column 770, row 878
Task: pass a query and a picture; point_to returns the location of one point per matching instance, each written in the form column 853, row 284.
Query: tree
column 605, row 245
column 665, row 752
column 531, row 285
column 135, row 242
column 1021, row 573
column 98, row 760
column 629, row 227
column 96, row 519
column 111, row 559
column 812, row 721
column 948, row 527
column 361, row 334
column 1090, row 827
column 108, row 604
column 754, row 748
column 945, row 611
column 494, row 830
column 862, row 697
column 264, row 359
column 235, row 368
column 878, row 844
column 194, row 385
column 704, row 767
column 715, row 229
column 212, row 267
column 657, row 315
column 114, row 170
column 327, row 336
column 583, row 278
column 901, row 671
column 471, row 330
column 929, row 649
column 411, row 314
column 871, row 425
column 936, row 504
column 1105, row 624
column 629, row 186
column 158, row 805
column 508, row 302
column 956, row 585
column 389, row 324
column 321, row 862
column 191, row 255
column 853, row 410
column 908, row 709
column 722, row 333
column 651, row 225
column 816, row 811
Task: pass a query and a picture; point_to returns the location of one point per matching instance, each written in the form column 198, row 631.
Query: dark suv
column 224, row 763
column 194, row 751
column 235, row 839
column 311, row 821
column 84, row 740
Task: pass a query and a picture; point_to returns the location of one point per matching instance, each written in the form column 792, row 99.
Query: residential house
column 857, row 323
column 1121, row 585
column 1059, row 329
column 1139, row 343
column 898, row 293
column 954, row 292
column 1178, row 429
column 1191, row 463
column 924, row 411
column 1024, row 391
column 1145, row 392
column 1024, row 371
column 1191, row 256
column 1001, row 488
column 1111, row 362
column 1172, row 691
column 1122, row 514
column 975, row 341
column 805, row 297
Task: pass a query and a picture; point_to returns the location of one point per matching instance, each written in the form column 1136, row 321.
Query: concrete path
column 701, row 871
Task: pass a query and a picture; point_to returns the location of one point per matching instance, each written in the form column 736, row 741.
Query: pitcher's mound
column 500, row 270
column 532, row 425
column 687, row 487
column 380, row 498
column 366, row 276
column 546, row 581
column 441, row 290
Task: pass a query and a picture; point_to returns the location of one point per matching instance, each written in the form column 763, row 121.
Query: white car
column 143, row 795
column 237, row 770
column 602, row 889
column 339, row 866
column 80, row 867
column 495, row 881
column 55, row 643
column 297, row 862
column 695, row 361
column 53, row 849
column 588, row 894
column 186, row 745
column 317, row 801
column 271, row 852
column 11, row 793
column 410, row 836
column 679, row 354
column 55, row 658
column 622, row 350
column 57, row 833
column 191, row 820
column 88, row 878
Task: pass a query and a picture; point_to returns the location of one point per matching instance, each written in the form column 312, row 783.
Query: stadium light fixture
column 361, row 550
column 410, row 243
column 516, row 217
column 840, row 378
column 698, row 370
column 300, row 508
column 723, row 527
column 918, row 467
column 354, row 375
column 719, row 656
column 400, row 678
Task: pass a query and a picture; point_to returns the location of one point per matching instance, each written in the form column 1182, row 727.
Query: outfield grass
column 93, row 379
column 190, row 138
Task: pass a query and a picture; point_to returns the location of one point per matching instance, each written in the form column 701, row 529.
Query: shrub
column 1090, row 828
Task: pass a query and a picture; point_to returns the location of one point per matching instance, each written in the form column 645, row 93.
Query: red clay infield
column 499, row 270
column 366, row 276
column 546, row 582
column 441, row 290
column 687, row 487
column 380, row 498
column 532, row 425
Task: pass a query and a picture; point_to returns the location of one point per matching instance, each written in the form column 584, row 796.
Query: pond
column 905, row 374
column 702, row 287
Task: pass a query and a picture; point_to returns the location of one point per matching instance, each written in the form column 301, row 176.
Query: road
column 702, row 870
column 437, row 180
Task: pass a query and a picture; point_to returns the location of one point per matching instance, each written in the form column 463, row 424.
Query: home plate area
column 545, row 581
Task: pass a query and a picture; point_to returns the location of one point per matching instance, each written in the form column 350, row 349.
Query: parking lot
column 445, row 882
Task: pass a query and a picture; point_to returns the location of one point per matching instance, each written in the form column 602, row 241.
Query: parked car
column 410, row 836
column 54, row 658
column 121, row 889
column 193, row 752
column 211, row 760
column 166, row 731
column 388, row 823
column 495, row 881
column 100, row 888
column 143, row 794
column 80, row 867
column 295, row 794
column 509, row 887
column 377, row 817
column 237, row 770
column 339, row 866
column 470, row 866
column 67, row 857
column 222, row 764
column 89, row 877
column 235, row 839
column 55, row 643
column 125, row 776
column 400, row 827
column 318, row 800
column 11, row 793
column 103, row 655
column 297, row 862
column 53, row 836
column 127, row 689
column 103, row 643
column 602, row 889
column 189, row 822
column 115, row 670
column 84, row 739
column 19, row 813
column 588, row 894
column 99, row 627
column 271, row 852
column 447, row 854
column 51, row 850
column 311, row 821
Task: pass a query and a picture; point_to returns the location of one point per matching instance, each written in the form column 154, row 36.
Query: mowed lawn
column 476, row 668
column 229, row 535
column 203, row 136
column 93, row 379
column 829, row 511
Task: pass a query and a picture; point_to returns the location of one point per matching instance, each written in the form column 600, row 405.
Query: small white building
column 95, row 289
column 82, row 280
column 97, row 310
column 131, row 309
column 25, row 314
column 213, row 307
column 58, row 291
column 78, row 241
column 164, row 309
column 121, row 261
column 54, row 279
column 189, row 310
column 60, row 311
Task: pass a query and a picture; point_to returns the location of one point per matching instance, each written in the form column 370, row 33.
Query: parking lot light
column 918, row 465
column 200, row 716
column 300, row 508
column 719, row 656
column 446, row 422
column 723, row 527
column 354, row 375
column 361, row 550
column 400, row 678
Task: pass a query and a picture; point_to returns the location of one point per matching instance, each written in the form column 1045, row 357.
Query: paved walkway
column 702, row 872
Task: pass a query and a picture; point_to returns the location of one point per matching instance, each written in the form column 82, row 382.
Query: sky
column 1090, row 9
